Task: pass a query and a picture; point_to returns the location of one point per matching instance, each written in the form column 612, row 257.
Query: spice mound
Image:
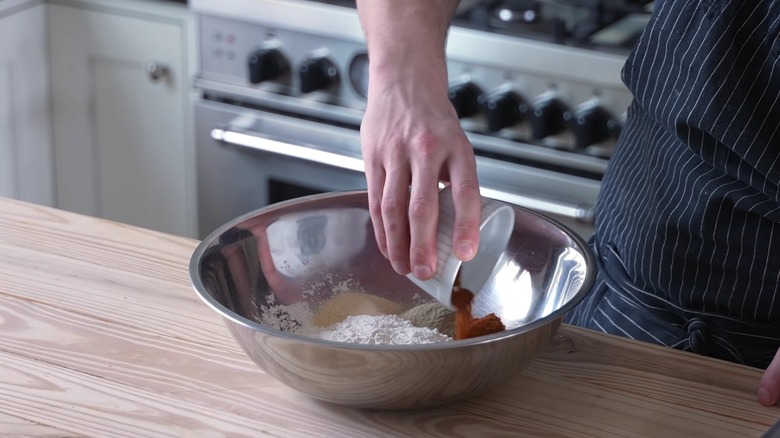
column 348, row 303
column 432, row 315
column 466, row 326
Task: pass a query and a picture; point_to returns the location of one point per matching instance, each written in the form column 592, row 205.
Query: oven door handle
column 286, row 148
column 579, row 212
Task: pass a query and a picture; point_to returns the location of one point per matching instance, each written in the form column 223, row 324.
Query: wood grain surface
column 102, row 335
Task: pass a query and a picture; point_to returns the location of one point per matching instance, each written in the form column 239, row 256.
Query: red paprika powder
column 466, row 326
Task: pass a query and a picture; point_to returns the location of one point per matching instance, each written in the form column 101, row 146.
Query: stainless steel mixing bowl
column 299, row 250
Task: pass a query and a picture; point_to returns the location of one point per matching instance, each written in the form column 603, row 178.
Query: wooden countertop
column 102, row 335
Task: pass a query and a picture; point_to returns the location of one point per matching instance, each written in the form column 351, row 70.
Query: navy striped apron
column 688, row 220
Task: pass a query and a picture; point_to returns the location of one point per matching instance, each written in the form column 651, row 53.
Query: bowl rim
column 225, row 313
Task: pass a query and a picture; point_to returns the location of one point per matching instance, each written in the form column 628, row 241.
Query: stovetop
column 595, row 24
column 607, row 25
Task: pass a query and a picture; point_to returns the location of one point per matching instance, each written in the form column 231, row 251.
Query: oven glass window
column 282, row 191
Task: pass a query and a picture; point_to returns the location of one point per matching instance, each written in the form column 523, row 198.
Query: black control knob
column 465, row 98
column 504, row 109
column 317, row 74
column 591, row 124
column 547, row 117
column 266, row 64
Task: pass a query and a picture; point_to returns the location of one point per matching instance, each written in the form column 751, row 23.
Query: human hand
column 769, row 387
column 411, row 140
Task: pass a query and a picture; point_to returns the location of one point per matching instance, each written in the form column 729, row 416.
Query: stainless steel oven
column 282, row 92
column 249, row 158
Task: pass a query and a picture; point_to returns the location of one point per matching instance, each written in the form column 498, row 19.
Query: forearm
column 406, row 37
column 411, row 136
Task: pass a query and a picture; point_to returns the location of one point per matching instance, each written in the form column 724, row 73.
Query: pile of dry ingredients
column 381, row 329
column 361, row 318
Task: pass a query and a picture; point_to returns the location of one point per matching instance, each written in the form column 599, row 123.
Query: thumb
column 769, row 387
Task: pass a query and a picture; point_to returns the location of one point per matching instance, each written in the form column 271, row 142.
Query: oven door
column 248, row 158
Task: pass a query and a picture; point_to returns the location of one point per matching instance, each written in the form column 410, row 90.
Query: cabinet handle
column 578, row 212
column 156, row 70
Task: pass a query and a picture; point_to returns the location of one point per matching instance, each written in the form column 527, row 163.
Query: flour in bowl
column 381, row 329
column 378, row 327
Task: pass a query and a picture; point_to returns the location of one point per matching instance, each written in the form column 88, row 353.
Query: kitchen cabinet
column 26, row 167
column 122, row 111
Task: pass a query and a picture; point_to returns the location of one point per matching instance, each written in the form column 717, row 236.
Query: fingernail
column 465, row 251
column 765, row 397
column 401, row 268
column 422, row 272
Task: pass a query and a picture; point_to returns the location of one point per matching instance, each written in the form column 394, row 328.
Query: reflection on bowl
column 304, row 251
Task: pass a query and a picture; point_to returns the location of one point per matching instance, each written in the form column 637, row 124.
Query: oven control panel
column 289, row 63
column 507, row 92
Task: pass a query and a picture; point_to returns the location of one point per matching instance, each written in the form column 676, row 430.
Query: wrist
column 392, row 65
column 406, row 39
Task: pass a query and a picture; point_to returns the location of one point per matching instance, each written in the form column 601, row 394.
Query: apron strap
column 708, row 341
column 639, row 314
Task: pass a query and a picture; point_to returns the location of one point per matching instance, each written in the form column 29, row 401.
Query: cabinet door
column 122, row 134
column 26, row 169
